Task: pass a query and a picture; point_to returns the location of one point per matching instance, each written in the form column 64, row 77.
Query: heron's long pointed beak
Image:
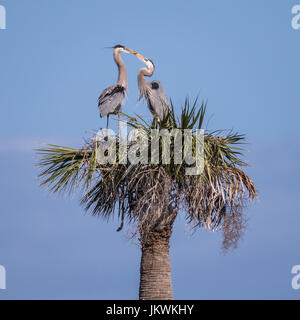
column 142, row 58
column 131, row 51
column 136, row 53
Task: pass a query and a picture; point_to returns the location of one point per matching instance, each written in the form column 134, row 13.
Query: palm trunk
column 155, row 270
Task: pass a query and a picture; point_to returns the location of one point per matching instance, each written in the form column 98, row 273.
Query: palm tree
column 150, row 196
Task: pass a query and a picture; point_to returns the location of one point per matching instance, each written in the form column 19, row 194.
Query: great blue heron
column 112, row 98
column 152, row 92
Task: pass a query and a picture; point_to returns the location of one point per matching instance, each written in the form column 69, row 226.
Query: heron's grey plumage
column 152, row 92
column 156, row 97
column 111, row 100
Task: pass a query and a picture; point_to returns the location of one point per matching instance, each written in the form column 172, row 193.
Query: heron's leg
column 107, row 123
column 119, row 120
column 106, row 134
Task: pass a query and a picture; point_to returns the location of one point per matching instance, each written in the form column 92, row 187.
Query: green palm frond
column 62, row 167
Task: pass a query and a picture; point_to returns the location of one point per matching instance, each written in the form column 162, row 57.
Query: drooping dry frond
column 151, row 195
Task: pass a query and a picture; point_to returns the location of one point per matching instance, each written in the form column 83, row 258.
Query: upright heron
column 112, row 98
column 152, row 92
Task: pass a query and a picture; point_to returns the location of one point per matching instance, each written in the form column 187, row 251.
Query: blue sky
column 243, row 56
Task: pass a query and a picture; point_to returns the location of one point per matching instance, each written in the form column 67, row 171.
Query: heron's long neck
column 144, row 72
column 122, row 78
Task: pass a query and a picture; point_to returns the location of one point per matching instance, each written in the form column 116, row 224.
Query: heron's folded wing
column 159, row 99
column 110, row 99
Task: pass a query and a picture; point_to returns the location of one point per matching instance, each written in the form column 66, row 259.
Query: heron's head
column 149, row 63
column 120, row 48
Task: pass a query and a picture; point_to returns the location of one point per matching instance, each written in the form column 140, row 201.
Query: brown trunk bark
column 155, row 270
